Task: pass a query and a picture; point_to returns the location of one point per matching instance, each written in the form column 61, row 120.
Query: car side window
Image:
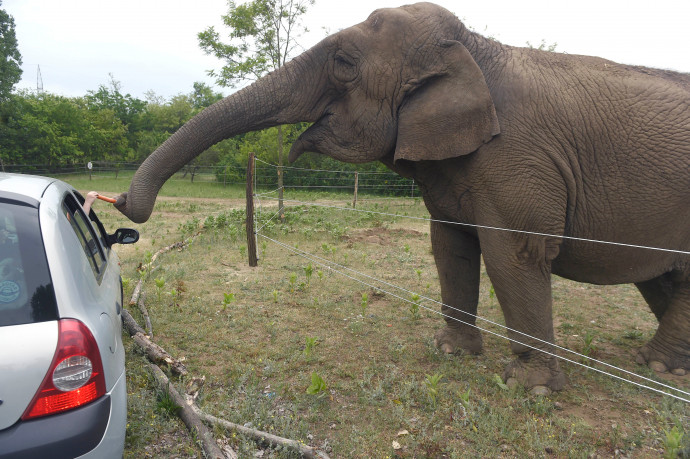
column 85, row 233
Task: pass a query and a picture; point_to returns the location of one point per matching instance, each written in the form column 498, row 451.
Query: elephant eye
column 344, row 67
column 344, row 60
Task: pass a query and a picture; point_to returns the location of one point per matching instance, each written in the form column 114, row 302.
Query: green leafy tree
column 46, row 129
column 262, row 37
column 10, row 58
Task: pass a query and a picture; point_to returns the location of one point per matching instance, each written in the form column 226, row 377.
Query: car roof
column 29, row 186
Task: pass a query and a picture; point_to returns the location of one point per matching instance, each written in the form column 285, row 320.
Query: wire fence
column 367, row 182
column 404, row 294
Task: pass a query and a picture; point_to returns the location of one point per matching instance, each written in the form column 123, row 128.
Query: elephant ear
column 448, row 112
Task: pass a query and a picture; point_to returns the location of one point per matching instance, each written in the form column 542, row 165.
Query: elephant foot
column 453, row 339
column 537, row 372
column 663, row 359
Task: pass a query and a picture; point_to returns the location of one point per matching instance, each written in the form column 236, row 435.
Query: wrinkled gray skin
column 495, row 136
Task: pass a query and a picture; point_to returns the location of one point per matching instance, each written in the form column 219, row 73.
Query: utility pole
column 39, row 80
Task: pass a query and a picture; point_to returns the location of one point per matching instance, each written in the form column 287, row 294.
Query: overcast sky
column 152, row 44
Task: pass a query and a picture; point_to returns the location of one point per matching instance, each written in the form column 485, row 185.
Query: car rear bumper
column 94, row 430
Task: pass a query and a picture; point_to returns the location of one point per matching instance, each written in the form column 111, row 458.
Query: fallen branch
column 153, row 351
column 261, row 437
column 130, row 324
column 145, row 314
column 189, row 417
column 136, row 293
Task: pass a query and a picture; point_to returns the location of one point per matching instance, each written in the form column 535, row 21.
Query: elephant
column 560, row 149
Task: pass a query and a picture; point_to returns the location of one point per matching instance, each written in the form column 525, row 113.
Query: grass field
column 263, row 336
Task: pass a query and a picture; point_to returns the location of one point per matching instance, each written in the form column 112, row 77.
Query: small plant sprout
column 414, row 306
column 227, row 299
column 419, row 274
column 319, row 273
column 588, row 348
column 492, row 292
column 293, row 282
column 465, row 400
column 243, row 251
column 499, row 382
column 432, row 382
column 310, row 344
column 275, row 295
column 406, row 248
column 364, row 303
column 318, row 385
column 308, row 271
column 160, row 283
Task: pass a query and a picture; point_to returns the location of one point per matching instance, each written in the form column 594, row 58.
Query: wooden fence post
column 251, row 237
column 354, row 201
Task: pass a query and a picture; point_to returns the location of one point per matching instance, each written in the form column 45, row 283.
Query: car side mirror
column 123, row 236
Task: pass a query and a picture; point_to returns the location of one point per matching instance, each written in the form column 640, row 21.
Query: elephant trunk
column 282, row 97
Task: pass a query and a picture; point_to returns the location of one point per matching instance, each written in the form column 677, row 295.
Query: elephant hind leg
column 669, row 349
column 657, row 293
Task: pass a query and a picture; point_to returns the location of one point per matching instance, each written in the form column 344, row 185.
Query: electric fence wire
column 329, row 265
column 486, row 227
column 325, row 263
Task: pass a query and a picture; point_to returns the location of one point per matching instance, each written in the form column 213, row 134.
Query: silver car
column 62, row 363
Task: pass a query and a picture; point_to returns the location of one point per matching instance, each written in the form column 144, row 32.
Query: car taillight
column 75, row 376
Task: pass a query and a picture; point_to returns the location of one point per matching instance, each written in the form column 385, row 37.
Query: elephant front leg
column 520, row 269
column 457, row 257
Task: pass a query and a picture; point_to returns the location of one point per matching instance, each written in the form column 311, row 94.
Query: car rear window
column 26, row 290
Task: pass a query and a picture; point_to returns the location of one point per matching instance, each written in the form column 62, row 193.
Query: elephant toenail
column 679, row 371
column 447, row 348
column 541, row 390
column 512, row 382
column 657, row 366
column 639, row 358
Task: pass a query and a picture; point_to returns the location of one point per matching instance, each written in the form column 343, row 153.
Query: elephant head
column 398, row 86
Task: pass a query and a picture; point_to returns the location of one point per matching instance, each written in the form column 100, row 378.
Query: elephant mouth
column 311, row 139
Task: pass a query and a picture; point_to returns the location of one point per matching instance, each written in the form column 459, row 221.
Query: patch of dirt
column 380, row 236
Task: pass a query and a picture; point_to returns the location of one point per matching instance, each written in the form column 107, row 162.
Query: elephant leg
column 657, row 293
column 669, row 349
column 457, row 257
column 520, row 270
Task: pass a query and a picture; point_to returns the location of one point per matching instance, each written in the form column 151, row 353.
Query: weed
column 414, row 306
column 432, row 382
column 633, row 335
column 275, row 295
column 589, row 349
column 308, row 271
column 317, row 386
column 160, row 283
column 672, row 442
column 319, row 274
column 166, row 403
column 364, row 303
column 499, row 382
column 293, row 282
column 310, row 344
column 419, row 274
column 465, row 401
column 228, row 298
